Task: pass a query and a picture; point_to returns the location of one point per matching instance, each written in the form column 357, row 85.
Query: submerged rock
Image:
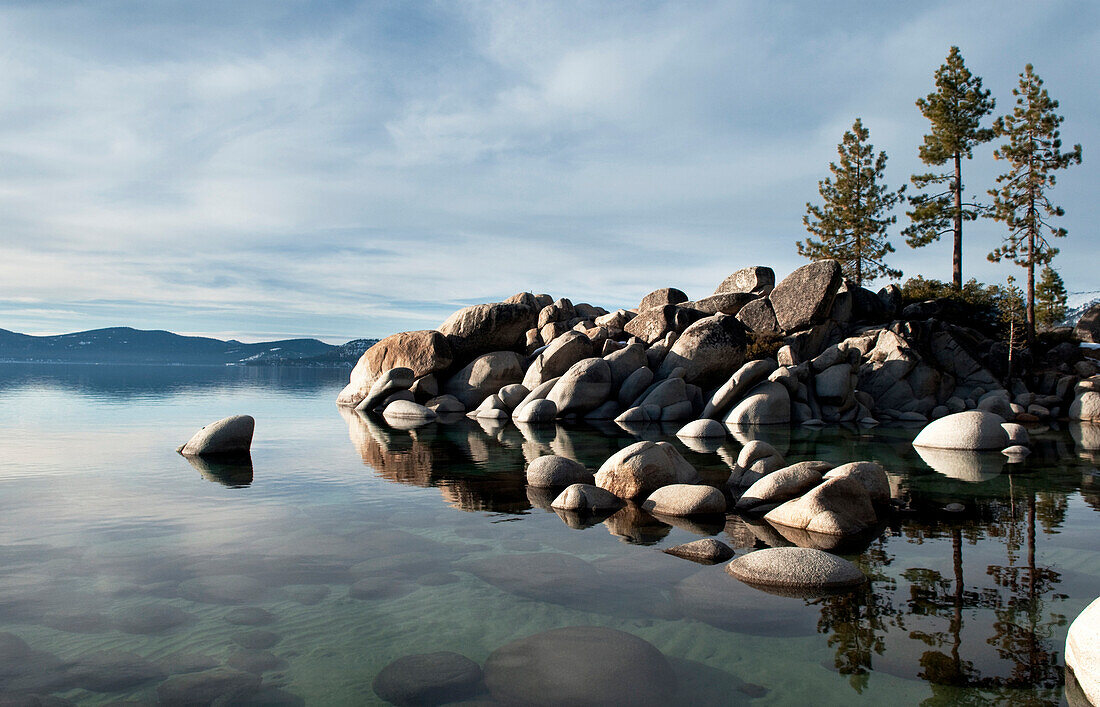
column 428, row 679
column 580, row 665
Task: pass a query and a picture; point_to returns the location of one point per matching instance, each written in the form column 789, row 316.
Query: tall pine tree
column 955, row 110
column 1051, row 300
column 852, row 223
column 1034, row 153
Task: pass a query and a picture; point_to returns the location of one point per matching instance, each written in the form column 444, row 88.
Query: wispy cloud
column 352, row 170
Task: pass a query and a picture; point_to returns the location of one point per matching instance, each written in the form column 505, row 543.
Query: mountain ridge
column 157, row 346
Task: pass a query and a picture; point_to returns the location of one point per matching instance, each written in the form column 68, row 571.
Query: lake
column 128, row 573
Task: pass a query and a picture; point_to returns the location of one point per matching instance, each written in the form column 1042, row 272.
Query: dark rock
column 428, row 679
column 708, row 350
column 759, row 316
column 256, row 661
column 805, row 297
column 1087, row 329
column 256, row 638
column 482, row 328
column 112, row 671
column 725, row 303
column 757, row 279
column 223, row 589
column 150, row 619
column 706, row 551
column 581, row 665
column 221, row 685
column 249, row 616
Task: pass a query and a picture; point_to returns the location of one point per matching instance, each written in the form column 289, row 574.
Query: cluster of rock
column 824, row 350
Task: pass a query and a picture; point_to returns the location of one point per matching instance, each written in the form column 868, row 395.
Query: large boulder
column 1085, row 406
column 707, row 350
column 757, row 279
column 584, row 387
column 1088, row 326
column 634, row 385
column 551, row 470
column 973, row 429
column 230, row 435
column 563, row 352
column 743, row 379
column 870, row 474
column 796, row 569
column 685, row 500
column 624, row 362
column 644, row 467
column 1083, row 651
column 783, row 485
column 580, row 665
column 759, row 316
column 661, row 297
column 767, row 404
column 424, row 352
column 725, row 303
column 484, row 376
column 654, row 324
column 482, row 328
column 839, row 506
column 805, row 297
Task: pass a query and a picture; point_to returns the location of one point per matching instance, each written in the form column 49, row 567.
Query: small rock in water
column 112, row 671
column 685, row 500
column 378, row 588
column 795, row 570
column 428, row 679
column 706, row 551
column 256, row 661
column 231, row 435
column 551, row 470
column 224, row 686
column 258, row 638
column 307, row 594
column 150, row 619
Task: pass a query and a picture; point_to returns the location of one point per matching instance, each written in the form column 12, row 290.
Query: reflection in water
column 234, row 471
column 986, row 623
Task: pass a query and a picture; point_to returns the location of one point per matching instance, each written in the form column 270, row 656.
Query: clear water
column 122, row 565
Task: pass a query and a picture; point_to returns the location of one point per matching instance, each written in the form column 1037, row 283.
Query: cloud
column 352, row 170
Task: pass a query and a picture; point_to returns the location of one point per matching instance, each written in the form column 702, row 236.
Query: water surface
column 122, row 565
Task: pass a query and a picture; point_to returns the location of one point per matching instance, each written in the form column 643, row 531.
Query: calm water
column 122, row 565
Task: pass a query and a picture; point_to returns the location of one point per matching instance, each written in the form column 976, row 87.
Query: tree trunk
column 957, row 256
column 1031, row 276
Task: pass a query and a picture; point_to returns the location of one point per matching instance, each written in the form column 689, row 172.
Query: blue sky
column 269, row 169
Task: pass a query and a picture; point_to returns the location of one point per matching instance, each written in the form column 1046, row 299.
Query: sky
column 263, row 169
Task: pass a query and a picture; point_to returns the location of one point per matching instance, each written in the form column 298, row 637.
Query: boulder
column 444, row 404
column 580, row 665
column 586, row 498
column 428, row 679
column 512, row 395
column 389, row 382
column 870, row 474
column 835, row 384
column 484, row 376
column 759, row 316
column 805, row 297
column 702, row 429
column 797, row 569
column 652, row 325
column 743, row 379
column 767, row 404
column 644, row 467
column 538, row 393
column 608, row 411
column 760, row 456
column 425, row 387
column 665, row 393
column 634, row 385
column 1017, row 434
column 1085, row 406
column 536, row 411
column 685, row 500
column 230, row 435
column 556, row 359
column 725, row 303
column 1087, row 329
column 661, row 297
column 484, row 328
column 757, row 279
column 615, row 320
column 783, row 485
column 707, row 551
column 405, row 410
column 973, row 429
column 839, row 506
column 624, row 362
column 551, row 470
column 424, row 352
column 1083, row 650
column 584, row 387
column 707, row 350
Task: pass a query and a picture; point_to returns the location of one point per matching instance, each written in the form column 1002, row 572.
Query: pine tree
column 852, row 222
column 955, row 111
column 1034, row 153
column 1050, row 298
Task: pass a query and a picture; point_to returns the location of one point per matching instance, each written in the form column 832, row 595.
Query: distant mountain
column 127, row 345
